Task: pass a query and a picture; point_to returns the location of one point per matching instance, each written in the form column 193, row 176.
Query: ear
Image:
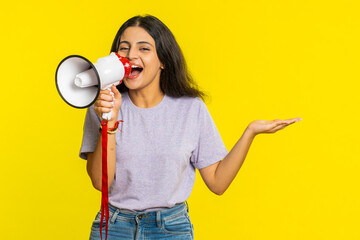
column 162, row 66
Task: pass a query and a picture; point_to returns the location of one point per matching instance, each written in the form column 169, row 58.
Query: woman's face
column 139, row 47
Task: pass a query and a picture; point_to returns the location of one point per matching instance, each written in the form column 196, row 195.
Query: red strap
column 116, row 125
column 104, row 183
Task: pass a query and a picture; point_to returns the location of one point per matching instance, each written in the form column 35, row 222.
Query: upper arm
column 89, row 162
column 89, row 168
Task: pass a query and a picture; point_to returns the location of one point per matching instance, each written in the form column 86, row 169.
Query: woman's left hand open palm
column 262, row 126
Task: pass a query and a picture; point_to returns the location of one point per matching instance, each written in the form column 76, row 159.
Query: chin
column 130, row 84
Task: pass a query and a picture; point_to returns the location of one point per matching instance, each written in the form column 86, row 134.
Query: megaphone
column 79, row 81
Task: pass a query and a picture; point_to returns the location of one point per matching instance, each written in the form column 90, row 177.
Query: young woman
column 167, row 133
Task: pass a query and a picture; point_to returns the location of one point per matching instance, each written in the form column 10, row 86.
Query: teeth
column 135, row 66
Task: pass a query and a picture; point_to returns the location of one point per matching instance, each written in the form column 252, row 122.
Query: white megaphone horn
column 79, row 81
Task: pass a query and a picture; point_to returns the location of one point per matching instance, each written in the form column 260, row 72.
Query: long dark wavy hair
column 175, row 79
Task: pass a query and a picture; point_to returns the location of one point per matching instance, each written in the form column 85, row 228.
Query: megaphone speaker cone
column 78, row 97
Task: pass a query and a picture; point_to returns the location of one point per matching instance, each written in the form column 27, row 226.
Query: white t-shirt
column 158, row 151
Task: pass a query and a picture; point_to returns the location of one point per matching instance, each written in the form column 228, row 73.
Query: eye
column 123, row 48
column 145, row 49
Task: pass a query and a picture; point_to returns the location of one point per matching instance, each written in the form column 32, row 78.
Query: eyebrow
column 141, row 42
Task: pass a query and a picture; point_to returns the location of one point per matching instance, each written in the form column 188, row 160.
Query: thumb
column 277, row 122
column 117, row 94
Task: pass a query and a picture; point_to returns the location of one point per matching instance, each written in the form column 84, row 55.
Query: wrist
column 110, row 129
column 249, row 131
column 112, row 123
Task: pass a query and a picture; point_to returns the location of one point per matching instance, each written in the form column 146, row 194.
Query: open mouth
column 135, row 70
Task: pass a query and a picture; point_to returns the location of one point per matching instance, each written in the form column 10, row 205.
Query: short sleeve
column 210, row 148
column 90, row 132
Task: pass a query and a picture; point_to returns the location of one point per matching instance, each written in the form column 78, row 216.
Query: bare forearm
column 228, row 168
column 94, row 165
column 219, row 176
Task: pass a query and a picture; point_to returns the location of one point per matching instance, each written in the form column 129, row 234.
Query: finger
column 277, row 128
column 292, row 120
column 283, row 125
column 106, row 91
column 277, row 120
column 101, row 110
column 289, row 121
column 105, row 97
column 279, row 123
column 106, row 104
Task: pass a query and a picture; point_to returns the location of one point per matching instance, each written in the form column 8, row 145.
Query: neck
column 146, row 99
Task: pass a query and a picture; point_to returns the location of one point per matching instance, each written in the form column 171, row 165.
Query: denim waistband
column 150, row 216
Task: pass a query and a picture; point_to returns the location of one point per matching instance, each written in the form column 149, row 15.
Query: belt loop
column 187, row 206
column 114, row 216
column 158, row 219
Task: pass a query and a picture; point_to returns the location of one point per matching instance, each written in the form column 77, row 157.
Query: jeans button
column 140, row 216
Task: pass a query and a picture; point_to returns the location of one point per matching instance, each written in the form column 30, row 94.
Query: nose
column 132, row 54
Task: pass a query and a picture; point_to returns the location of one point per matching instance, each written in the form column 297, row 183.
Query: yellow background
column 256, row 59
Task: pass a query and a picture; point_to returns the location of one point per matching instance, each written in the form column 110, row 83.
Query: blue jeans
column 173, row 223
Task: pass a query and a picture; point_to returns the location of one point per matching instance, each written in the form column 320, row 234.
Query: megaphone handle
column 107, row 116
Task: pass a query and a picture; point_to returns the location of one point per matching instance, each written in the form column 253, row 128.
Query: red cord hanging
column 104, row 185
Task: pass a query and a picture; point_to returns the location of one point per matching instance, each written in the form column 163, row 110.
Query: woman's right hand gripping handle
column 104, row 104
column 107, row 101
